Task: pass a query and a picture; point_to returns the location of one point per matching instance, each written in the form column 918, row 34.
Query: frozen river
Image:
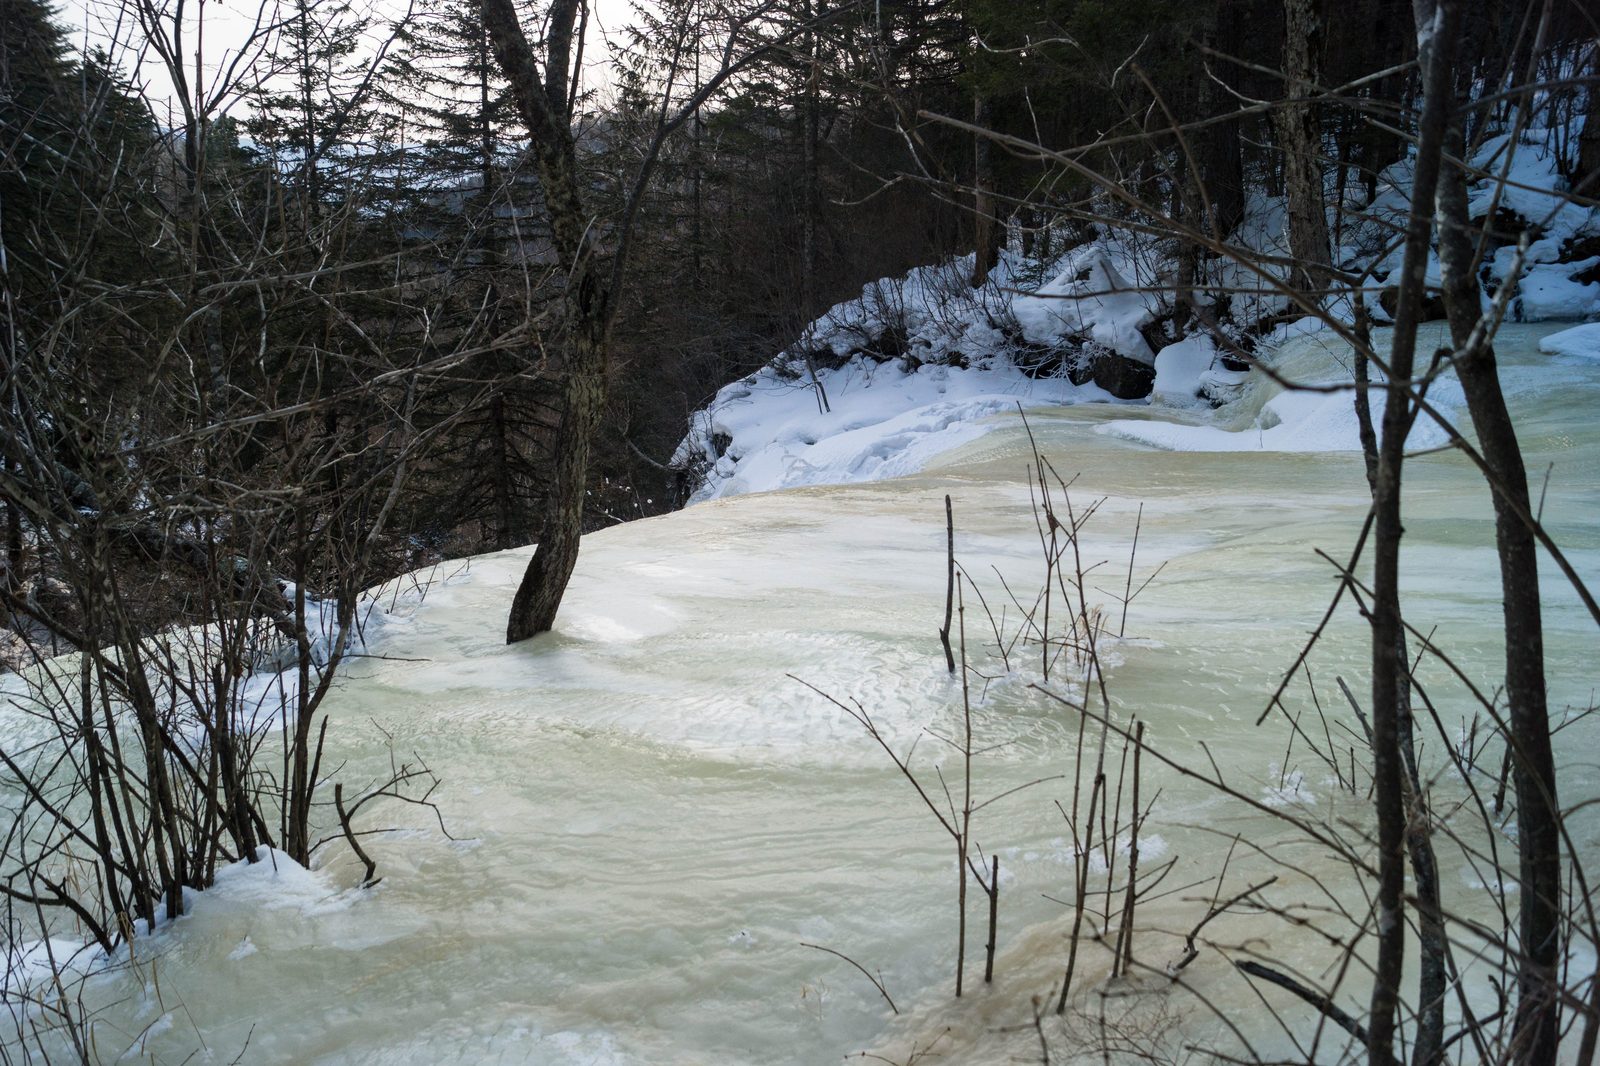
column 650, row 818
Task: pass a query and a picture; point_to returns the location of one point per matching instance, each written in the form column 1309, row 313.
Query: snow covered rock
column 1180, row 368
column 1100, row 294
column 1580, row 344
column 770, row 431
column 1549, row 292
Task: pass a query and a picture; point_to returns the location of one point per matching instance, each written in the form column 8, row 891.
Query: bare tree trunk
column 1433, row 978
column 984, row 238
column 1587, row 179
column 1433, row 972
column 697, row 165
column 1301, row 136
column 1220, row 146
column 11, row 580
column 1389, row 667
column 593, row 275
column 505, row 508
column 544, row 106
column 1538, row 811
column 533, row 610
column 808, row 208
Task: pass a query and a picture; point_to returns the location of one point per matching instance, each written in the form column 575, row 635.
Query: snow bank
column 911, row 364
column 1266, row 417
column 1289, row 422
column 273, row 882
column 1549, row 292
column 29, row 964
column 1102, row 292
column 768, row 431
column 1580, row 344
column 1546, row 289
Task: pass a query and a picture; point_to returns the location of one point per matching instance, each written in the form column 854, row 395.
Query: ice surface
column 651, row 817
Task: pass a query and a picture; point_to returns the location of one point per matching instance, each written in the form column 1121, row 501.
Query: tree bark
column 543, row 104
column 809, row 135
column 1221, row 146
column 1433, row 968
column 1389, row 668
column 1587, row 180
column 1301, row 136
column 533, row 609
column 1535, row 1033
column 985, row 244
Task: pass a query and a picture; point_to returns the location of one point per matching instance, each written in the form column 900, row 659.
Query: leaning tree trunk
column 533, row 610
column 545, row 107
column 1432, row 946
column 1538, row 812
column 1301, row 137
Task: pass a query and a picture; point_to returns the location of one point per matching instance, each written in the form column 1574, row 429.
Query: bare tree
column 1301, row 137
column 593, row 251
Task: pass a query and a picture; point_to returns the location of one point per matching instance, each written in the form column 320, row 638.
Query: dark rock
column 1432, row 304
column 1506, row 227
column 1581, row 250
column 1124, row 378
column 887, row 345
column 1161, row 331
column 1576, row 249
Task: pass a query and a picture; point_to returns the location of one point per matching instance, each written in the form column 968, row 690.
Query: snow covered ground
column 768, row 432
column 1580, row 344
column 883, row 421
column 918, row 364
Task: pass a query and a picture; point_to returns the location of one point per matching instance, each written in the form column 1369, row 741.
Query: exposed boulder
column 1122, row 377
column 1432, row 304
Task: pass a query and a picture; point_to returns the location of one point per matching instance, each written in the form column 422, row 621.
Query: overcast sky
column 227, row 26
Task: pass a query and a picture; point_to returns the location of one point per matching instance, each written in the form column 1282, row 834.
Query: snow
column 1319, row 418
column 1180, row 369
column 1531, row 168
column 1091, row 296
column 883, row 421
column 1580, row 344
column 1548, row 293
column 273, row 882
column 29, row 963
column 1263, row 237
column 912, row 366
column 1292, row 422
column 915, row 365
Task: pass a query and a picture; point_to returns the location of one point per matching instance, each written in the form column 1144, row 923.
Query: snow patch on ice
column 1288, row 791
column 1579, row 345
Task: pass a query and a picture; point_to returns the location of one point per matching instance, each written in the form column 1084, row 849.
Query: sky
column 225, row 27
